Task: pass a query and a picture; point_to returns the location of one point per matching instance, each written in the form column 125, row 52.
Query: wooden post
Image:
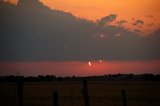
column 124, row 98
column 20, row 92
column 85, row 93
column 55, row 98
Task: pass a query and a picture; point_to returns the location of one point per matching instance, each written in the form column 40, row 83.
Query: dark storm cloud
column 35, row 32
column 138, row 22
column 121, row 23
column 107, row 19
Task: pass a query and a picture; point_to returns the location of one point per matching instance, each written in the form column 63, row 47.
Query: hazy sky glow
column 79, row 68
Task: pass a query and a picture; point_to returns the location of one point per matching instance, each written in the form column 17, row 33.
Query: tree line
column 53, row 78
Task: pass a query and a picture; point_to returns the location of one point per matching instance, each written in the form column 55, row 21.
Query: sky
column 130, row 10
column 79, row 68
column 101, row 37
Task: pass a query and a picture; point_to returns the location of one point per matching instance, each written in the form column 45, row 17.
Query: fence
column 55, row 96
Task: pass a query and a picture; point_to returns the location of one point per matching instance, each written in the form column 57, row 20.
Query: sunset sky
column 101, row 37
column 79, row 68
column 130, row 10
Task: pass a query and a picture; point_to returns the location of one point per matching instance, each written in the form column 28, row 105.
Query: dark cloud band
column 35, row 32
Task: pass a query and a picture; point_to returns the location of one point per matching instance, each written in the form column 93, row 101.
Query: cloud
column 149, row 16
column 137, row 31
column 107, row 19
column 150, row 24
column 138, row 22
column 121, row 23
column 59, row 36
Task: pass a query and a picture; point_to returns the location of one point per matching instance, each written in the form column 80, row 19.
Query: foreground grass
column 70, row 94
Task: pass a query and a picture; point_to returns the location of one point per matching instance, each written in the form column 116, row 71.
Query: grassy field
column 70, row 94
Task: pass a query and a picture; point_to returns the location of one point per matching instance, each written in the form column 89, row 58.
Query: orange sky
column 125, row 9
column 78, row 68
column 94, row 10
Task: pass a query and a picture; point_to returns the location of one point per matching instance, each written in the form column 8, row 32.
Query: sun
column 90, row 64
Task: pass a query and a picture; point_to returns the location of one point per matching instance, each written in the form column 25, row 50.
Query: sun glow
column 90, row 64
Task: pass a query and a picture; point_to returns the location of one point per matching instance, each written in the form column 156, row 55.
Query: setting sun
column 89, row 63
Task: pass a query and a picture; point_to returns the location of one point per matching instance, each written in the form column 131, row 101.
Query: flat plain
column 70, row 93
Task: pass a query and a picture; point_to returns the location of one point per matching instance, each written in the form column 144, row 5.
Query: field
column 70, row 94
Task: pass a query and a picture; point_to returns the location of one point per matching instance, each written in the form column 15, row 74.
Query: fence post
column 85, row 93
column 55, row 98
column 20, row 92
column 124, row 98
